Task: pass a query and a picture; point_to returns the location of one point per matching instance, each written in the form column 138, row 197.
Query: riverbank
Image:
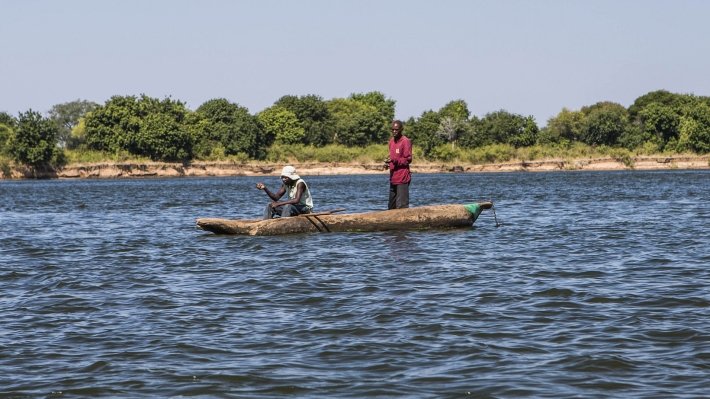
column 204, row 169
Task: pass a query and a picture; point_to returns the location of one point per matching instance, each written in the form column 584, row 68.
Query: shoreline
column 216, row 169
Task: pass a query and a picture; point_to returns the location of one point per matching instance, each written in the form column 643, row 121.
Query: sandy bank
column 203, row 169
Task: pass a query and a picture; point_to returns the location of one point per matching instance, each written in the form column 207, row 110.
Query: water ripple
column 585, row 291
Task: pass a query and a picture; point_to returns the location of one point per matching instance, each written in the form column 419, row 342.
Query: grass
column 328, row 154
column 90, row 156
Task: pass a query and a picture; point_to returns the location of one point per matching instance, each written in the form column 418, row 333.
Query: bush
column 93, row 156
column 622, row 155
column 34, row 142
column 443, row 152
column 540, row 152
column 5, row 168
column 5, row 133
column 377, row 153
column 649, row 147
column 493, row 153
column 279, row 153
column 695, row 134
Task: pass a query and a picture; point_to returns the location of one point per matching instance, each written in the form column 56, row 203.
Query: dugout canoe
column 418, row 218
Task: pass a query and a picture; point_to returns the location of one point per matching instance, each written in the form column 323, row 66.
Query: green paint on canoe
column 474, row 209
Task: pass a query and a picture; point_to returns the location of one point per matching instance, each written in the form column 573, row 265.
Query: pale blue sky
column 527, row 57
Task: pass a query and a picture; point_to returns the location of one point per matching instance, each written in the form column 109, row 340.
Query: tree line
column 166, row 130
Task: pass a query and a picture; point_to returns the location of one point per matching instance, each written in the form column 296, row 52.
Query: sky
column 523, row 56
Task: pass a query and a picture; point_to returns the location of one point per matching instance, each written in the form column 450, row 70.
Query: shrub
column 443, row 152
column 622, row 155
column 490, row 154
column 34, row 142
column 5, row 168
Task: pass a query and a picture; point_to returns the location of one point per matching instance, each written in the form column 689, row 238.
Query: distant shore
column 205, row 169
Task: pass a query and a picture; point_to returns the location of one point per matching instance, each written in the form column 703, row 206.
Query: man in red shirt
column 398, row 163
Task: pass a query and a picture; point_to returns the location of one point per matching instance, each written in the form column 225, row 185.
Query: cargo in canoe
column 418, row 218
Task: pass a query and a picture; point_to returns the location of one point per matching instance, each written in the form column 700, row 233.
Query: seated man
column 299, row 197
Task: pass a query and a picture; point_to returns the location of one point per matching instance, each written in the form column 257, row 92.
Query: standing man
column 299, row 196
column 398, row 164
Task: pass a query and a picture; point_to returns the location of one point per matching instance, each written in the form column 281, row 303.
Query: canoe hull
column 419, row 218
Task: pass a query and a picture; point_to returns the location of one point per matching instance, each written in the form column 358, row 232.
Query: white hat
column 290, row 172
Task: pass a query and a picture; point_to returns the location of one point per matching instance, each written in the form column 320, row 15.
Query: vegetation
column 67, row 116
column 33, row 141
column 142, row 126
column 356, row 128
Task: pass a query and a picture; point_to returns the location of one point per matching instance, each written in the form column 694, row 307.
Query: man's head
column 397, row 128
column 288, row 174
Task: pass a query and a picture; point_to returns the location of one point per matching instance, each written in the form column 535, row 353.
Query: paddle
column 322, row 213
column 315, row 218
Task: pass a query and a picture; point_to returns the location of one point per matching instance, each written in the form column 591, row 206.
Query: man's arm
column 274, row 196
column 405, row 158
column 300, row 187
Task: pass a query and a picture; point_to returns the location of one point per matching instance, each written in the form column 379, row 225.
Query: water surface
column 596, row 285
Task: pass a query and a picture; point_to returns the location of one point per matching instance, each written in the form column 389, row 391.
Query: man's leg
column 268, row 212
column 279, row 211
column 288, row 210
column 402, row 196
column 392, row 204
column 292, row 210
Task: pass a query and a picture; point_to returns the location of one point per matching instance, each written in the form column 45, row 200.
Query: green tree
column 694, row 129
column 113, row 126
column 423, row 132
column 7, row 120
column 355, row 123
column 5, row 133
column 385, row 107
column 230, row 125
column 451, row 129
column 34, row 142
column 565, row 127
column 453, row 121
column 66, row 116
column 163, row 138
column 604, row 123
column 281, row 124
column 634, row 137
column 143, row 126
column 662, row 97
column 162, row 135
column 472, row 136
column 506, row 128
column 7, row 124
column 659, row 120
column 77, row 136
column 312, row 113
column 457, row 110
column 529, row 135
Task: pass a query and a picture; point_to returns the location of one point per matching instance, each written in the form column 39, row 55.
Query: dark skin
column 300, row 187
column 396, row 134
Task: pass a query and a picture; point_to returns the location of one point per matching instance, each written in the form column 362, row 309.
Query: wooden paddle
column 320, row 226
column 322, row 213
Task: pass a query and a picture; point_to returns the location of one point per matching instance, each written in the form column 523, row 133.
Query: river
column 595, row 284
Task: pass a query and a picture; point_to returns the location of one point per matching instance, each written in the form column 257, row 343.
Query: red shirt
column 400, row 158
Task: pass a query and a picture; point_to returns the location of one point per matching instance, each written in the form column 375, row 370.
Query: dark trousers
column 399, row 196
column 284, row 211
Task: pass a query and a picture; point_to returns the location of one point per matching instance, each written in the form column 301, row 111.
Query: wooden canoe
column 418, row 218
